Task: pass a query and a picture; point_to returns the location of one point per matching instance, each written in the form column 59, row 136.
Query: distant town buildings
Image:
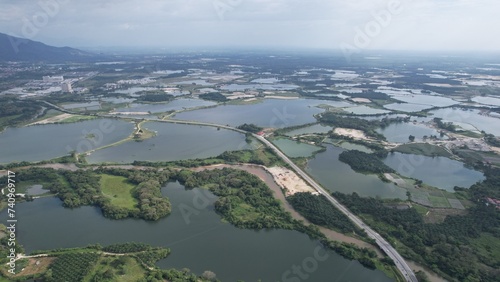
column 53, row 79
column 66, row 87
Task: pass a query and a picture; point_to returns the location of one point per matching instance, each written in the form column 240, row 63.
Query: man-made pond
column 400, row 132
column 173, row 142
column 295, row 149
column 335, row 175
column 45, row 142
column 439, row 172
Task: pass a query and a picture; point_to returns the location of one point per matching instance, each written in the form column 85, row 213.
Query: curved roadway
column 381, row 242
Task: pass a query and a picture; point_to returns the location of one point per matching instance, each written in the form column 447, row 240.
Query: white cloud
column 423, row 24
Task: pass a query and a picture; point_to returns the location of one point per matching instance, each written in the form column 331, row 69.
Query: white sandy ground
column 55, row 119
column 354, row 133
column 129, row 113
column 282, row 97
column 361, row 100
column 289, row 181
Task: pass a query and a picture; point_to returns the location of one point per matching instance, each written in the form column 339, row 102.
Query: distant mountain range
column 20, row 49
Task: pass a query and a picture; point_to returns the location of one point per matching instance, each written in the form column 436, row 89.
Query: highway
column 381, row 242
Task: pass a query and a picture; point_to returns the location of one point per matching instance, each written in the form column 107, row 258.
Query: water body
column 335, row 175
column 117, row 100
column 243, row 87
column 469, row 116
column 276, row 113
column 176, row 105
column 439, row 172
column 352, row 146
column 194, row 82
column 435, row 101
column 133, row 90
column 399, row 132
column 364, row 110
column 173, row 142
column 317, row 128
column 265, row 80
column 93, row 105
column 407, row 107
column 487, row 100
column 36, row 190
column 295, row 149
column 45, row 142
column 199, row 241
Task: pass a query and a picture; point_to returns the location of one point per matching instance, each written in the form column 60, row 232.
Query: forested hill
column 20, row 49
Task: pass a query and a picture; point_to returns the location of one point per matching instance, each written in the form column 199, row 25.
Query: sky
column 352, row 25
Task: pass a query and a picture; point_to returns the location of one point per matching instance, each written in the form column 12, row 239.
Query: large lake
column 335, row 175
column 200, row 241
column 439, row 172
column 274, row 113
column 173, row 142
column 45, row 142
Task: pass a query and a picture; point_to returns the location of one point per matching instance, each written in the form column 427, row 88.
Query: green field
column 118, row 190
column 116, row 269
column 77, row 119
column 423, row 149
column 439, row 202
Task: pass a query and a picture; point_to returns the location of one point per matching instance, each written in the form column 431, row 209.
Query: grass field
column 120, row 269
column 439, row 202
column 77, row 119
column 118, row 190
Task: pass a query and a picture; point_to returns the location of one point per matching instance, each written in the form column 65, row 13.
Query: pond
column 295, row 149
column 400, row 132
column 176, row 105
column 275, row 113
column 317, row 128
column 173, row 142
column 199, row 241
column 440, row 172
column 335, row 175
column 364, row 110
column 244, row 87
column 45, row 142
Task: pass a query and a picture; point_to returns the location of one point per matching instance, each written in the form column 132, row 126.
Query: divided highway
column 381, row 242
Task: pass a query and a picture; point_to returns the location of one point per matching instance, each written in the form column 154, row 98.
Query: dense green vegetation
column 444, row 247
column 492, row 140
column 244, row 200
column 445, row 125
column 15, row 112
column 367, row 126
column 424, row 149
column 155, row 97
column 71, row 267
column 364, row 162
column 213, row 97
column 84, row 187
column 318, row 210
column 250, row 127
column 129, row 247
column 127, row 262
